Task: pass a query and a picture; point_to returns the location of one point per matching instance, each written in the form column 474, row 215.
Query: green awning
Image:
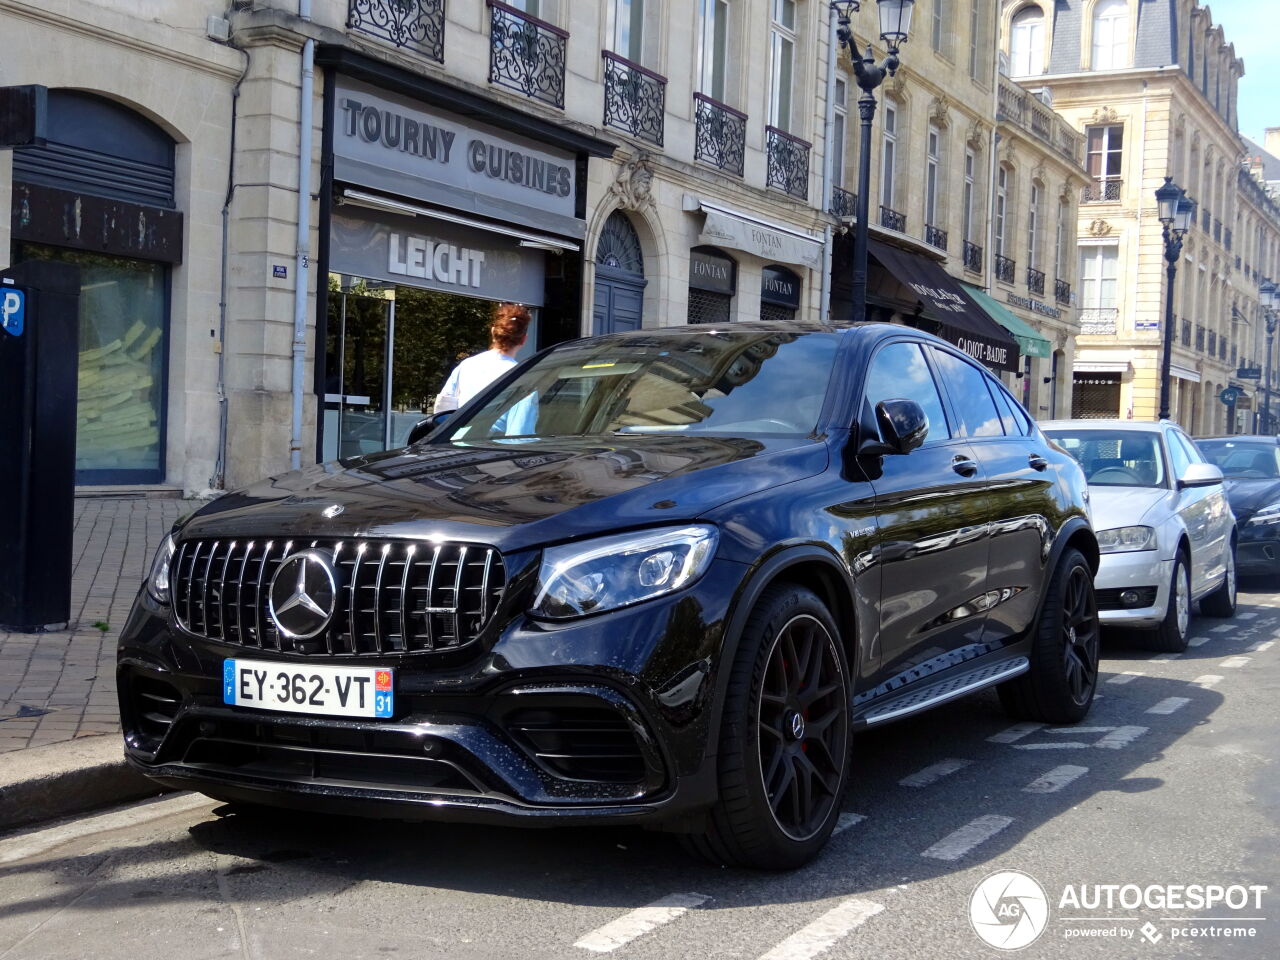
column 1029, row 341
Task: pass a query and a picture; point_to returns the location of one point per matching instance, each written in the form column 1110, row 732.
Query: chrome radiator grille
column 393, row 596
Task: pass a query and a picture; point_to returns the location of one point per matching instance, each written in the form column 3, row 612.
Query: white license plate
column 294, row 688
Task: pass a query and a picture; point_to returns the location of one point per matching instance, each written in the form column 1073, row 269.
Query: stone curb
column 62, row 779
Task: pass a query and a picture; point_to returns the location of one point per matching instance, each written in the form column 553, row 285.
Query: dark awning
column 958, row 317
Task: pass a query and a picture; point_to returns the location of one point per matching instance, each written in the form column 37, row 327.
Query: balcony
column 526, row 54
column 1062, row 292
column 892, row 219
column 1024, row 109
column 935, row 237
column 1035, row 281
column 788, row 163
column 972, row 257
column 1099, row 321
column 1005, row 269
column 416, row 25
column 1106, row 190
column 1186, row 333
column 844, row 203
column 635, row 99
column 721, row 135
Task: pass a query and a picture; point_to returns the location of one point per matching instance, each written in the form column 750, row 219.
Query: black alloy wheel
column 1081, row 636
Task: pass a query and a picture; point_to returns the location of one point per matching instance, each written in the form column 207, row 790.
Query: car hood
column 510, row 495
column 1249, row 495
column 1113, row 507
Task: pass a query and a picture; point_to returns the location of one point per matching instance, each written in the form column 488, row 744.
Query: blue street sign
column 13, row 310
column 1230, row 395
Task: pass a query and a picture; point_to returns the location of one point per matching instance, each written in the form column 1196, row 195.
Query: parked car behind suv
column 656, row 578
column 1167, row 533
column 1251, row 466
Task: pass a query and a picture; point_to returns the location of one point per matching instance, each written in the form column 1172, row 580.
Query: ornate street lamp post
column 1176, row 213
column 1269, row 298
column 895, row 24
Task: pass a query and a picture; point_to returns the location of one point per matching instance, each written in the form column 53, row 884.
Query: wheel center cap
column 795, row 725
column 1071, row 634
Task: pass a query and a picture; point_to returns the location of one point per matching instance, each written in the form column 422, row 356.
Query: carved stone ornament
column 1105, row 115
column 977, row 136
column 633, row 185
column 940, row 110
column 896, row 87
column 1100, row 228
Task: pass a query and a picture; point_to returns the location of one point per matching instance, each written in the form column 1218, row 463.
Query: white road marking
column 1197, row 641
column 1081, row 729
column 1169, row 705
column 1223, row 628
column 1056, row 779
column 1165, row 657
column 1207, row 681
column 1262, row 647
column 1246, row 616
column 956, row 845
column 1121, row 737
column 39, row 841
column 835, row 924
column 934, row 773
column 637, row 923
column 1015, row 733
column 1127, row 677
column 1060, row 745
column 1234, row 662
column 846, row 821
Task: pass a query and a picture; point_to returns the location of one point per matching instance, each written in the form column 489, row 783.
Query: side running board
column 941, row 691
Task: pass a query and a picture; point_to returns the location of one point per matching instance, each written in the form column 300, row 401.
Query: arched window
column 1026, row 43
column 1111, row 35
column 620, row 283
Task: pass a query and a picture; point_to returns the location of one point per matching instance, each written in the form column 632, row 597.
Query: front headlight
column 1267, row 515
column 158, row 576
column 581, row 578
column 1126, row 539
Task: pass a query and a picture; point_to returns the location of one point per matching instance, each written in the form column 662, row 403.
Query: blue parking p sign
column 13, row 309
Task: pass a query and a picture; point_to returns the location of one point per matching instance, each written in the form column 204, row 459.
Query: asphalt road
column 1170, row 785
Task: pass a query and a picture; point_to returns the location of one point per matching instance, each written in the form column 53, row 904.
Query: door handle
column 964, row 466
column 1037, row 462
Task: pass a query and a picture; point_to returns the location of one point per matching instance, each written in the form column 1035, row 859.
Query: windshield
column 734, row 383
column 1115, row 458
column 1244, row 459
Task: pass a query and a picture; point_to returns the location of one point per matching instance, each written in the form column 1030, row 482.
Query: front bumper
column 1258, row 551
column 606, row 719
column 1138, row 570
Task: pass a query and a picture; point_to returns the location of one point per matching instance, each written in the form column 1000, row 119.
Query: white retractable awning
column 726, row 227
column 1184, row 373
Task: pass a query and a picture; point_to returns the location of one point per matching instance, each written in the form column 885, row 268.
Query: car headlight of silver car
column 577, row 579
column 1270, row 514
column 1126, row 539
column 158, row 575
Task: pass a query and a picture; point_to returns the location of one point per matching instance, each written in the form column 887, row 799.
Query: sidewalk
column 56, row 687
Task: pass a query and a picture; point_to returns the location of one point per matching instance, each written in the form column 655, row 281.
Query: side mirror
column 1200, row 475
column 903, row 427
column 423, row 428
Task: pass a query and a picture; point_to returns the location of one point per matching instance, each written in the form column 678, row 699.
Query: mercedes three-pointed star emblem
column 303, row 594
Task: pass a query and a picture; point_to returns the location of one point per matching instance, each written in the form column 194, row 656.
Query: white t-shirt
column 470, row 377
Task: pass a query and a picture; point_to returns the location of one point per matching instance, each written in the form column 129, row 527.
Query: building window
column 628, row 29
column 1106, row 152
column 938, row 33
column 1033, row 227
column 970, row 164
column 1060, row 240
column 713, row 47
column 888, row 157
column 783, row 56
column 1026, row 43
column 531, row 7
column 840, row 125
column 931, row 177
column 975, row 30
column 1002, row 209
column 1099, row 268
column 1111, row 35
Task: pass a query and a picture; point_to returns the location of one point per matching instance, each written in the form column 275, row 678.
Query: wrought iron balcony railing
column 635, row 99
column 891, row 219
column 1005, row 268
column 972, row 257
column 844, row 203
column 1099, row 321
column 1035, row 281
column 788, row 163
column 935, row 237
column 1102, row 191
column 526, row 54
column 416, row 25
column 1062, row 292
column 721, row 137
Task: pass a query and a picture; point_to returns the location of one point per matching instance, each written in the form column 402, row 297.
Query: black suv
column 658, row 578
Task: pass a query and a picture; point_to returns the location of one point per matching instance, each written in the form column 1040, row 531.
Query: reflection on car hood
column 511, row 495
column 1128, row 506
column 1249, row 495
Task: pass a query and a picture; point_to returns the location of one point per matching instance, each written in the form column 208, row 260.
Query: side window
column 1013, row 427
column 899, row 372
column 1178, row 454
column 1020, row 415
column 1192, row 450
column 970, row 396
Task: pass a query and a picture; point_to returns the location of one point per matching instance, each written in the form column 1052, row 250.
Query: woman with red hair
column 507, row 334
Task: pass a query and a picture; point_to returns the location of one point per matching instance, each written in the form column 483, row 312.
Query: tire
column 783, row 761
column 1222, row 602
column 1172, row 633
column 1060, row 685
